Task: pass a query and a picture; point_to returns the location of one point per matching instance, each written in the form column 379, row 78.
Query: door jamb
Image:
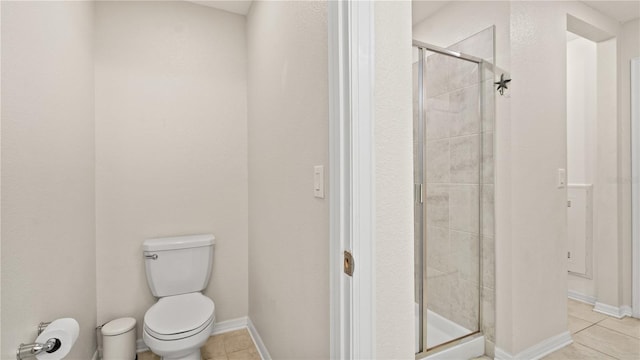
column 351, row 179
column 635, row 185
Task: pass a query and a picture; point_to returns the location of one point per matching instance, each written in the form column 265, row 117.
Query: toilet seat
column 177, row 336
column 179, row 316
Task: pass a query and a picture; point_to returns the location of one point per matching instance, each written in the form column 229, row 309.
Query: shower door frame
column 420, row 188
column 635, row 187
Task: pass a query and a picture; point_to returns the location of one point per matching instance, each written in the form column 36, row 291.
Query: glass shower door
column 449, row 97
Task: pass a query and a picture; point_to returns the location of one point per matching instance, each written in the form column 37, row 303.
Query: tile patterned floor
column 599, row 337
column 233, row 345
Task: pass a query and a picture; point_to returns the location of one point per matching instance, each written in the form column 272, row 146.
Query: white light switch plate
column 318, row 181
column 562, row 178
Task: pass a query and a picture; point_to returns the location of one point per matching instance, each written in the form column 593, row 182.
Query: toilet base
column 182, row 349
column 193, row 356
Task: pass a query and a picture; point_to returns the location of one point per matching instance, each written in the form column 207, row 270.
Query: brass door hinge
column 349, row 264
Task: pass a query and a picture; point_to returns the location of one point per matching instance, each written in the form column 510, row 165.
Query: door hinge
column 568, row 203
column 568, row 254
column 349, row 263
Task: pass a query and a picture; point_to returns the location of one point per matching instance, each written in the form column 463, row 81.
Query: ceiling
column 422, row 9
column 621, row 11
column 235, row 6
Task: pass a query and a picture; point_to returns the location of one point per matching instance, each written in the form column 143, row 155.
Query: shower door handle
column 417, row 193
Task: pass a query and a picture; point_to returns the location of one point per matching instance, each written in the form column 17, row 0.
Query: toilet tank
column 178, row 265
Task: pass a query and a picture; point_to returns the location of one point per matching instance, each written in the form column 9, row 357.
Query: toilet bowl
column 177, row 326
column 180, row 322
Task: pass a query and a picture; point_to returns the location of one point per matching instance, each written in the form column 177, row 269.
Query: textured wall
column 394, row 305
column 288, row 135
column 48, row 228
column 538, row 215
column 629, row 48
column 171, row 146
column 581, row 130
column 581, row 110
column 608, row 242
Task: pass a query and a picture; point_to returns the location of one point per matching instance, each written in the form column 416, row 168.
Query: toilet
column 178, row 270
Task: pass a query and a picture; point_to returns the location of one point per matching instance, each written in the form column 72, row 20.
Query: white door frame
column 635, row 184
column 351, row 74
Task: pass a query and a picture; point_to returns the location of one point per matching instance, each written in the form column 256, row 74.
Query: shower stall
column 453, row 176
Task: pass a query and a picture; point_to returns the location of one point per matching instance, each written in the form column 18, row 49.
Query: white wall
column 460, row 19
column 581, row 110
column 48, row 228
column 171, row 146
column 393, row 127
column 0, row 186
column 629, row 48
column 607, row 236
column 288, row 135
column 593, row 141
column 612, row 283
column 581, row 129
column 538, row 111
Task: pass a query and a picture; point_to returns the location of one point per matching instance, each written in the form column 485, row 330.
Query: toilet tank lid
column 178, row 242
column 118, row 326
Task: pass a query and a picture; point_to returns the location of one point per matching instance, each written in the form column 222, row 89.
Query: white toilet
column 178, row 269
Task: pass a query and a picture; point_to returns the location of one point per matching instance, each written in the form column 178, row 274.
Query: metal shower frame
column 418, row 195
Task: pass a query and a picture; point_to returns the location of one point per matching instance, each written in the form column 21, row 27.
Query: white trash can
column 119, row 339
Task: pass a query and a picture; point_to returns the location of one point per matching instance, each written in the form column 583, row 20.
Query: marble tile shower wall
column 459, row 185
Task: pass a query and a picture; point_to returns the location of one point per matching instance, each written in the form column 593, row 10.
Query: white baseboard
column 141, row 346
column 587, row 299
column 615, row 311
column 230, row 325
column 538, row 350
column 223, row 327
column 262, row 349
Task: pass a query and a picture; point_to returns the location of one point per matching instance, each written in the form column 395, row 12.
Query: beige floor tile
column 237, row 340
column 234, row 345
column 214, row 347
column 217, row 357
column 577, row 324
column 584, row 312
column 246, row 354
column 609, row 342
column 627, row 325
column 235, row 332
column 148, row 355
column 577, row 352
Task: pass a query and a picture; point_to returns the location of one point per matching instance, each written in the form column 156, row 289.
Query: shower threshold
column 451, row 340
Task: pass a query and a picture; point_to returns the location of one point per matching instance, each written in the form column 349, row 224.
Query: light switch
column 562, row 178
column 318, row 181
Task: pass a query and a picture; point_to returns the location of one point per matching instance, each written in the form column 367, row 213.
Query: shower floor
column 439, row 329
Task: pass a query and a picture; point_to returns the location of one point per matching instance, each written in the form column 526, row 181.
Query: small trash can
column 119, row 339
